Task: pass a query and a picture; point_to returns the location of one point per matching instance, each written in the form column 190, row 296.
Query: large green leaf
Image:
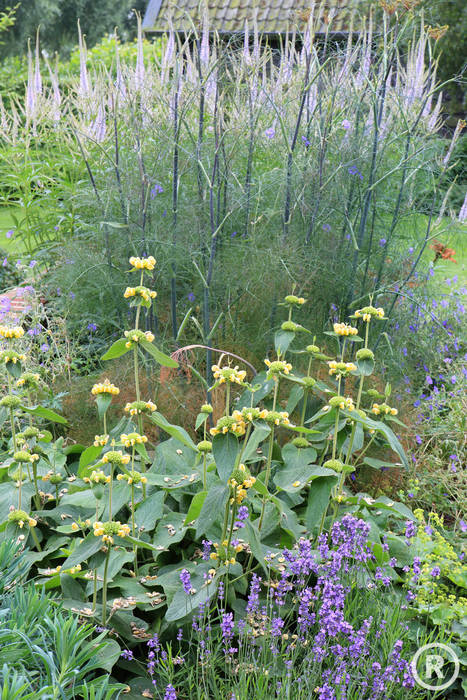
column 149, row 511
column 213, row 508
column 117, row 349
column 89, row 455
column 282, row 340
column 46, row 413
column 195, row 506
column 107, row 654
column 249, row 398
column 294, row 479
column 170, row 529
column 103, row 402
column 85, row 549
column 378, row 463
column 174, row 430
column 183, row 604
column 159, row 356
column 288, row 519
column 258, row 436
column 200, row 419
column 251, row 534
column 225, row 449
column 318, row 500
column 173, row 481
column 295, row 396
column 14, row 368
column 366, row 366
column 381, row 427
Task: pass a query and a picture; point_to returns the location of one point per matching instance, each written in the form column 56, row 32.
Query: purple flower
column 410, row 530
column 170, row 693
column 5, row 305
column 45, row 347
column 91, row 327
column 382, row 242
column 253, row 597
column 227, row 626
column 127, row 654
column 185, row 578
column 33, row 263
column 411, row 250
column 5, row 262
column 191, row 297
column 326, row 227
column 35, row 330
column 9, row 234
column 435, row 572
column 418, row 439
column 242, row 515
column 72, row 295
column 277, row 623
column 206, row 549
column 157, row 189
column 353, row 170
column 180, row 635
column 305, row 141
column 270, row 132
column 463, row 525
column 346, row 124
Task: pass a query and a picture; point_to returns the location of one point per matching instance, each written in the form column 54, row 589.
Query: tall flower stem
column 13, row 430
column 94, row 590
column 334, row 437
column 136, row 367
column 104, row 588
column 362, row 376
column 226, row 519
column 227, row 398
column 133, row 526
column 35, row 538
column 204, row 471
column 269, row 460
column 110, row 490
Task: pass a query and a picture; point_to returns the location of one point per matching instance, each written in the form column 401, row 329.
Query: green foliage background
column 58, row 18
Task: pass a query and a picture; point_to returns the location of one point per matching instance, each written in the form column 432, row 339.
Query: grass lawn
column 10, row 245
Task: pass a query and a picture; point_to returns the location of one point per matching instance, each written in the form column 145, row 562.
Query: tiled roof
column 272, row 16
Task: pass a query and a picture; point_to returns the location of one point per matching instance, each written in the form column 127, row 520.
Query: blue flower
column 191, row 297
column 353, row 170
column 91, row 327
column 157, row 189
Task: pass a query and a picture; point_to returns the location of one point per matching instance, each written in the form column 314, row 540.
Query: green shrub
column 46, row 652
